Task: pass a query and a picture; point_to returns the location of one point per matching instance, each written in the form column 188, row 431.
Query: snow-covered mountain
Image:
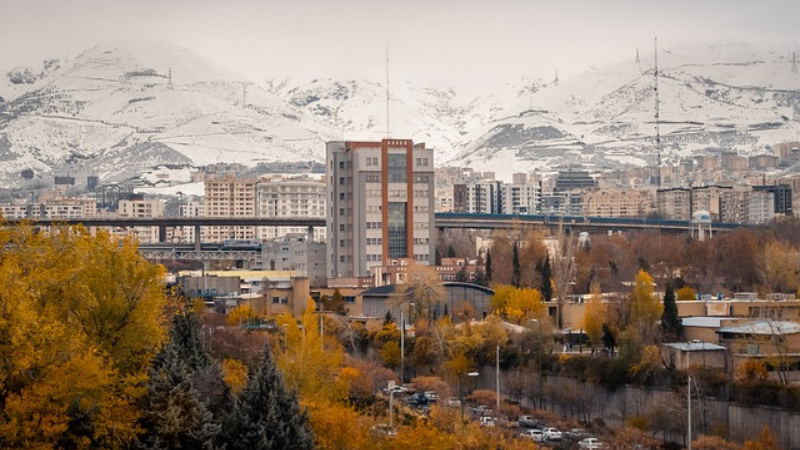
column 726, row 96
column 116, row 112
column 119, row 112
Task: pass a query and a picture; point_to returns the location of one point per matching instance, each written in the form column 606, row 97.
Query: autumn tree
column 81, row 316
column 706, row 442
column 424, row 289
column 686, row 293
column 517, row 305
column 645, row 311
column 594, row 316
column 766, row 441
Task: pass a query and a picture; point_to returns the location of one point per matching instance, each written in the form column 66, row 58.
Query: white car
column 535, row 435
column 552, row 434
column 488, row 421
column 590, row 443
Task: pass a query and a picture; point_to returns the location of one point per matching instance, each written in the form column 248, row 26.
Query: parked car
column 552, row 434
column 576, row 434
column 417, row 399
column 452, row 402
column 535, row 435
column 482, row 410
column 432, row 396
column 528, row 422
column 383, row 429
column 488, row 421
column 590, row 443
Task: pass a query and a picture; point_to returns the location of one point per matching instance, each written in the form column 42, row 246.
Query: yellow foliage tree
column 240, row 315
column 235, row 374
column 646, row 309
column 594, row 316
column 766, row 441
column 686, row 293
column 517, row 305
column 309, row 369
column 80, row 318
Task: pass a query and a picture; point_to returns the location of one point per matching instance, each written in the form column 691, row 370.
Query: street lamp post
column 541, row 350
column 461, row 390
column 403, row 344
column 497, row 378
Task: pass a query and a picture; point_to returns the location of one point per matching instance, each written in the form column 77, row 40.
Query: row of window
column 374, row 257
column 374, row 225
column 374, row 241
column 422, row 257
column 373, row 161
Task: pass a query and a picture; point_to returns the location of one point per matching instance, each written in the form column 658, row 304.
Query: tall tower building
column 380, row 205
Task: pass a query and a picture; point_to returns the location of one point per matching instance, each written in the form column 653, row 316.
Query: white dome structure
column 701, row 217
column 701, row 220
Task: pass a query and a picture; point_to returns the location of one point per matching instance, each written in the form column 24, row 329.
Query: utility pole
column 658, row 118
column 689, row 409
column 497, row 378
column 402, row 348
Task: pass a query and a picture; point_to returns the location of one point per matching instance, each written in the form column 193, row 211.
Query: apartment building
column 142, row 209
column 229, row 196
column 380, row 205
column 290, row 196
column 616, row 203
column 675, row 204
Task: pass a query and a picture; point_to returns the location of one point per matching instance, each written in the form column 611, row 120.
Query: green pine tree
column 670, row 322
column 204, row 372
column 266, row 416
column 488, row 270
column 174, row 415
column 516, row 276
column 547, row 280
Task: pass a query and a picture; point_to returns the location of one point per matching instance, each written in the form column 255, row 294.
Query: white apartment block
column 380, row 205
column 142, row 209
column 229, row 197
column 290, row 197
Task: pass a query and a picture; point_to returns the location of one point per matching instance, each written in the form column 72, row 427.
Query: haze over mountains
column 118, row 112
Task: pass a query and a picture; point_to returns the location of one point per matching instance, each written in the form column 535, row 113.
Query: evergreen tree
column 174, row 415
column 203, row 371
column 387, row 319
column 461, row 275
column 266, row 416
column 609, row 342
column 488, row 270
column 547, row 280
column 517, row 274
column 670, row 323
column 451, row 252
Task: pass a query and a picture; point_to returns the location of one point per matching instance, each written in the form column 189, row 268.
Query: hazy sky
column 457, row 42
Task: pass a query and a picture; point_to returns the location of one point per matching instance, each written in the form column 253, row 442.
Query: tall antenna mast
column 387, row 92
column 555, row 82
column 169, row 80
column 794, row 62
column 658, row 118
column 637, row 55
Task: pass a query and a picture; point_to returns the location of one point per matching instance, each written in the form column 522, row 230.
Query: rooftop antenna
column 658, row 118
column 170, row 86
column 387, row 92
column 794, row 62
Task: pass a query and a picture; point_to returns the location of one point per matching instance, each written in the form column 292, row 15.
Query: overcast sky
column 446, row 42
